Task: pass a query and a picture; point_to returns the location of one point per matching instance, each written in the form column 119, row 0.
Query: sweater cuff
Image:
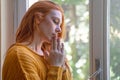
column 55, row 72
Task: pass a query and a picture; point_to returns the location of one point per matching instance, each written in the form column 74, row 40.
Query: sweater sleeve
column 58, row 73
column 28, row 66
column 54, row 73
column 19, row 66
column 30, row 71
column 67, row 75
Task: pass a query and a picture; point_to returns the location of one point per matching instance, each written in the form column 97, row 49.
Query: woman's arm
column 19, row 66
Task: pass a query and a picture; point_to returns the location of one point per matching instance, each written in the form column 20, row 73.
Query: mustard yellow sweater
column 21, row 63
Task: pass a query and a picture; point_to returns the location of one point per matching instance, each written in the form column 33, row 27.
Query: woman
column 38, row 53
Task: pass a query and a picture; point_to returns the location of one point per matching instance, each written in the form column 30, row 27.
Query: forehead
column 56, row 13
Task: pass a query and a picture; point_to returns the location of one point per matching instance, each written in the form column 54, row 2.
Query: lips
column 51, row 36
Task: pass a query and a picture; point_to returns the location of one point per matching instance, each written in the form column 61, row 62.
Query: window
column 77, row 36
column 106, row 37
column 115, row 39
column 99, row 39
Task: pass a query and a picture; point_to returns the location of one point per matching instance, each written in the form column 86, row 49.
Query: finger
column 52, row 45
column 58, row 44
column 62, row 48
column 54, row 42
column 45, row 54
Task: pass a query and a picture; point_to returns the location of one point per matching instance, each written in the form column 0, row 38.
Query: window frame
column 19, row 11
column 99, row 38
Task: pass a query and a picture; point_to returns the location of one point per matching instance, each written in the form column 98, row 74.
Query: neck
column 36, row 45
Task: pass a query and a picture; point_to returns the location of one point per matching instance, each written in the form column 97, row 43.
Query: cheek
column 50, row 25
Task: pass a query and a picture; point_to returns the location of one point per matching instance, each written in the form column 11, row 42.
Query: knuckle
column 56, row 51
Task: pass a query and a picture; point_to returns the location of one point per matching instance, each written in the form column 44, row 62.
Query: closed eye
column 56, row 21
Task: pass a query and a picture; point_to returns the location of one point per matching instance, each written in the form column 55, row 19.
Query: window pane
column 30, row 2
column 115, row 40
column 77, row 36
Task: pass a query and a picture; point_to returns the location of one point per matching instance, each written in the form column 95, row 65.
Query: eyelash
column 55, row 22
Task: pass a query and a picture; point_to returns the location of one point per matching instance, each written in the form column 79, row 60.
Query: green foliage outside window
column 115, row 39
column 77, row 36
column 77, row 39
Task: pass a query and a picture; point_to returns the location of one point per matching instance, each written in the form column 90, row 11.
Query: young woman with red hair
column 38, row 53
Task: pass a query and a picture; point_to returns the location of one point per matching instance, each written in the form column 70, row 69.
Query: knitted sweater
column 22, row 63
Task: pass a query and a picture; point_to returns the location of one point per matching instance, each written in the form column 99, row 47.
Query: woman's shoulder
column 21, row 50
column 17, row 48
column 20, row 53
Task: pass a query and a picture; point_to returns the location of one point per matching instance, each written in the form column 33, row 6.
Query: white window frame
column 99, row 39
column 99, row 29
column 20, row 8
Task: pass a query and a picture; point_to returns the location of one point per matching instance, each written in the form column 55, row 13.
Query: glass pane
column 115, row 40
column 30, row 2
column 77, row 36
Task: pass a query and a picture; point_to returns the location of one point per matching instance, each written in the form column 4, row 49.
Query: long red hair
column 25, row 32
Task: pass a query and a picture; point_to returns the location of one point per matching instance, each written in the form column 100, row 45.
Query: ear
column 38, row 17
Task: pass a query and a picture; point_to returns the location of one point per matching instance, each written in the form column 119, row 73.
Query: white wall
column 7, row 27
column 12, row 12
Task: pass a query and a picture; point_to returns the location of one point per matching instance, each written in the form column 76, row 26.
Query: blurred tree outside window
column 115, row 39
column 77, row 36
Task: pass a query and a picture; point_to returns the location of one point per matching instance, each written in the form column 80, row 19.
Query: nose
column 57, row 29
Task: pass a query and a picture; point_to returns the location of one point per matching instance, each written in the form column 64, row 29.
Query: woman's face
column 50, row 25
